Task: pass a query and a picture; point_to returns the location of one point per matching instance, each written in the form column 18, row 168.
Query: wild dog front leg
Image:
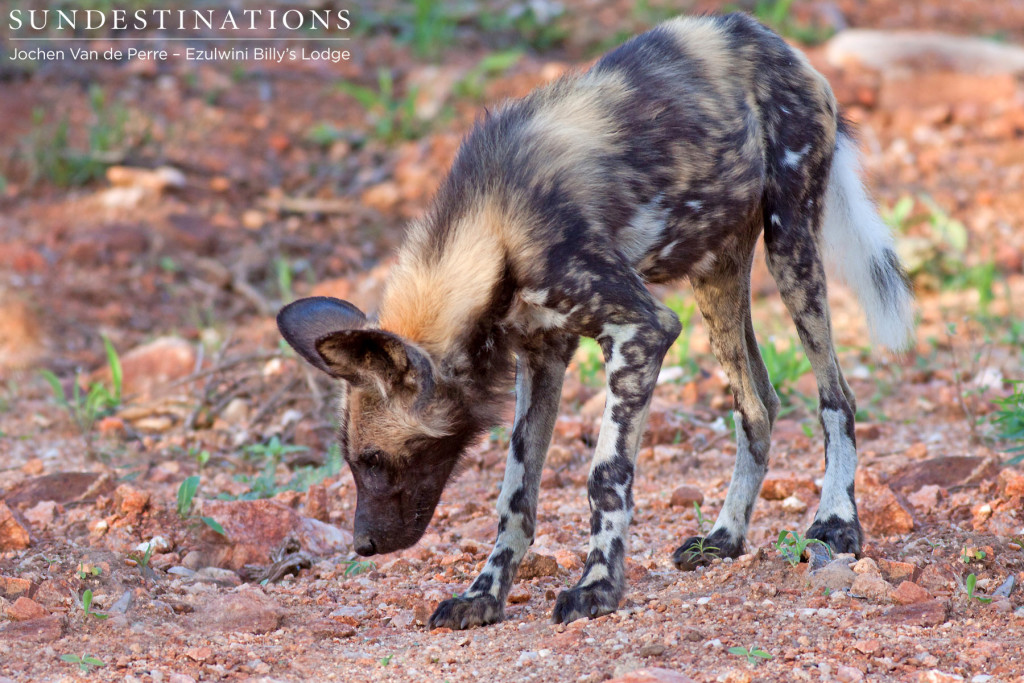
column 539, row 376
column 633, row 355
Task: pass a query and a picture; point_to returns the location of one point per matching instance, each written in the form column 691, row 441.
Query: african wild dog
column 665, row 160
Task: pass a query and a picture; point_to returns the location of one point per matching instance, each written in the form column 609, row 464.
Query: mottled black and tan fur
column 665, row 160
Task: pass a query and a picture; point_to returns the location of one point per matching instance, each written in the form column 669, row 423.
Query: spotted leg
column 634, row 337
column 724, row 300
column 539, row 374
column 798, row 270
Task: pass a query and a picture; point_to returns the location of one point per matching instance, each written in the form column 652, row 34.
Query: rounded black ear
column 305, row 321
column 376, row 358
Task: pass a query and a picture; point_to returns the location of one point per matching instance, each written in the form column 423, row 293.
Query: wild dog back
column 665, row 160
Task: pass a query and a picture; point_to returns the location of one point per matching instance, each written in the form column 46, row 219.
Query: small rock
column 568, row 559
column 849, row 674
column 60, row 487
column 1006, row 587
column 519, row 594
column 255, row 529
column 130, row 501
column 880, row 511
column 928, row 613
column 936, row 676
column 42, row 514
column 44, row 630
column 26, row 609
column 866, row 565
column 868, row 646
column 653, row 675
column 894, row 571
column 152, row 365
column 944, row 472
column 652, row 650
column 783, row 485
column 218, row 576
column 1011, row 482
column 328, row 628
column 536, row 565
column 686, row 496
column 794, row 504
column 350, row 614
column 12, row 587
column 835, row 576
column 909, row 593
column 872, row 587
column 866, row 432
column 13, row 534
column 927, row 498
column 246, row 610
column 558, row 456
column 21, row 337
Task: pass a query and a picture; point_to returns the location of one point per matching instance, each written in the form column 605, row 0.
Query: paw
column 590, row 601
column 463, row 613
column 841, row 535
column 699, row 551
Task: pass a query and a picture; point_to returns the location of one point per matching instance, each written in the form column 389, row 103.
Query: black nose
column 364, row 545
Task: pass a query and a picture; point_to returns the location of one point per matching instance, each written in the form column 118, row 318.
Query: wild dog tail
column 858, row 246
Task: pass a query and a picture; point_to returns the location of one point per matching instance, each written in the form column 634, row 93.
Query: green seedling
column 792, row 545
column 590, row 361
column 474, row 83
column 143, row 560
column 88, row 406
column 86, row 663
column 969, row 585
column 753, row 655
column 702, row 522
column 785, row 367
column 968, row 555
column 679, row 353
column 357, row 567
column 86, row 571
column 186, row 493
column 1008, row 419
column 393, row 117
column 264, row 485
column 385, row 660
column 700, row 550
column 51, row 154
column 87, row 606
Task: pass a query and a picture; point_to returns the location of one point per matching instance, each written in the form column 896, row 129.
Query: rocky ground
column 188, row 203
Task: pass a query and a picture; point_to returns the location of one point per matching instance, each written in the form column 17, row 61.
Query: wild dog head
column 399, row 420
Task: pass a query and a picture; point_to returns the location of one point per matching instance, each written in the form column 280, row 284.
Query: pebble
column 872, row 587
column 794, row 504
column 13, row 534
column 536, row 565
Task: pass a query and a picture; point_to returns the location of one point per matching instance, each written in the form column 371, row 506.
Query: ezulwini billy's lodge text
column 207, row 54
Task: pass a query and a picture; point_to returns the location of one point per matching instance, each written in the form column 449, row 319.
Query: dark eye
column 371, row 458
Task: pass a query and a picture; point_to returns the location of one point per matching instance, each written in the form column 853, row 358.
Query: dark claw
column 841, row 536
column 592, row 601
column 462, row 613
column 698, row 551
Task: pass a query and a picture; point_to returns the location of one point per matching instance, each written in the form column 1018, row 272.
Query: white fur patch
column 643, row 231
column 792, row 158
column 744, row 487
column 856, row 242
column 842, row 466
